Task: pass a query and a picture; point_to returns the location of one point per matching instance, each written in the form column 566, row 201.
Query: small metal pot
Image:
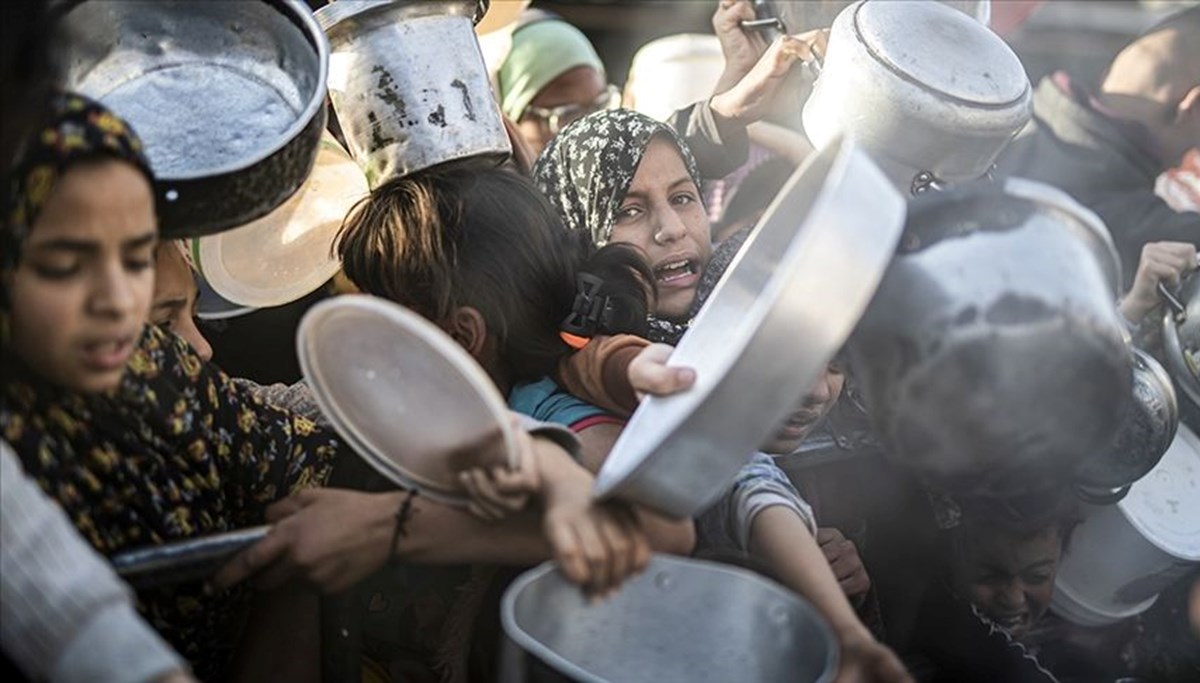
column 228, row 97
column 679, row 620
column 409, row 85
column 1145, row 435
column 929, row 92
column 992, row 358
column 1181, row 335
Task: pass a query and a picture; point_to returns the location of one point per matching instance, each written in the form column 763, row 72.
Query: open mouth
column 107, row 354
column 675, row 272
column 1011, row 623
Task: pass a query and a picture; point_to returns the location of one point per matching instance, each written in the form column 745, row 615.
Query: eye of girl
column 137, row 265
column 683, row 198
column 56, row 271
column 629, row 212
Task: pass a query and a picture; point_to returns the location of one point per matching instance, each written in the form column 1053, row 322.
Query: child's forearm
column 780, row 537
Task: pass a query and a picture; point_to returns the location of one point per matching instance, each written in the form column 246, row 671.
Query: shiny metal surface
column 1146, row 433
column 190, row 560
column 922, row 86
column 227, row 96
column 680, row 620
column 783, row 309
column 409, row 85
column 992, row 359
column 403, row 394
column 1181, row 336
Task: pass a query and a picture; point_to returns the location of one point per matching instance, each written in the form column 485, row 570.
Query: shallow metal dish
column 403, row 394
column 775, row 320
column 229, row 98
column 182, row 561
column 680, row 620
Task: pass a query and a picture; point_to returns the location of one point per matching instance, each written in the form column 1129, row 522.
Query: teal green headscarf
column 542, row 50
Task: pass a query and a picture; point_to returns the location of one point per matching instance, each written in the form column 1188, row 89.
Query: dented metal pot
column 929, row 92
column 408, row 83
column 992, row 358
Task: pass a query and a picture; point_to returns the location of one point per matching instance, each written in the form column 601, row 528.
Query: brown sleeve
column 599, row 372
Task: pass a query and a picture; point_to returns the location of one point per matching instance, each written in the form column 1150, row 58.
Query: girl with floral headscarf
column 122, row 424
column 623, row 177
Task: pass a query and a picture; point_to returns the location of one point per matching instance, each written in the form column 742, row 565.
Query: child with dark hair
column 999, row 561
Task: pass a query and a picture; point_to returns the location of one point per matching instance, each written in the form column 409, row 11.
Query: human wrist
column 726, row 109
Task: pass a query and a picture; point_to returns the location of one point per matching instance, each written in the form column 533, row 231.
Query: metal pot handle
column 1178, row 310
column 1092, row 496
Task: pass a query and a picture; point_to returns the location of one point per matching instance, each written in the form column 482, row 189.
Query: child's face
column 812, row 408
column 175, row 294
column 81, row 293
column 1011, row 579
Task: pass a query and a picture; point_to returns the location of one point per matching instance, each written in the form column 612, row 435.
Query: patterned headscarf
column 79, row 129
column 586, row 170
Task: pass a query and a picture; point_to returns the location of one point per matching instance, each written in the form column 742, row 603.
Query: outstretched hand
column 649, row 374
column 1164, row 262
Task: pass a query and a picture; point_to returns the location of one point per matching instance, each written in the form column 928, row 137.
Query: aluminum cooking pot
column 1145, row 435
column 992, row 358
column 930, row 93
column 679, row 620
column 409, row 85
column 1181, row 335
column 229, row 98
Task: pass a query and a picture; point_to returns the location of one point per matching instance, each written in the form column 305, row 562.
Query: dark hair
column 1021, row 518
column 756, row 191
column 469, row 233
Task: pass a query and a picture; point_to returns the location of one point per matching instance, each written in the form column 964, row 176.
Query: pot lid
column 403, row 394
column 287, row 254
column 1164, row 506
column 943, row 50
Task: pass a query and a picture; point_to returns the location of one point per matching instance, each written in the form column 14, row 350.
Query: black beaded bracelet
column 403, row 514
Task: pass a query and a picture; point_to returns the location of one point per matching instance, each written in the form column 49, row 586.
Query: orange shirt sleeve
column 599, row 372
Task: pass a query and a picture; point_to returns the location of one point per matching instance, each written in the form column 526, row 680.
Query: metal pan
column 1144, row 436
column 229, row 98
column 182, row 561
column 775, row 320
column 405, row 396
column 680, row 620
column 1181, row 334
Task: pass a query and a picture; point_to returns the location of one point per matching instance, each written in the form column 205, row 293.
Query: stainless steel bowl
column 775, row 320
column 229, row 98
column 680, row 620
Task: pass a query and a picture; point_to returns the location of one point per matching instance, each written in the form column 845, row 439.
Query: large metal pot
column 229, row 98
column 775, row 320
column 1145, row 435
column 1181, row 335
column 679, row 620
column 992, row 358
column 409, row 85
column 932, row 94
column 1122, row 556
